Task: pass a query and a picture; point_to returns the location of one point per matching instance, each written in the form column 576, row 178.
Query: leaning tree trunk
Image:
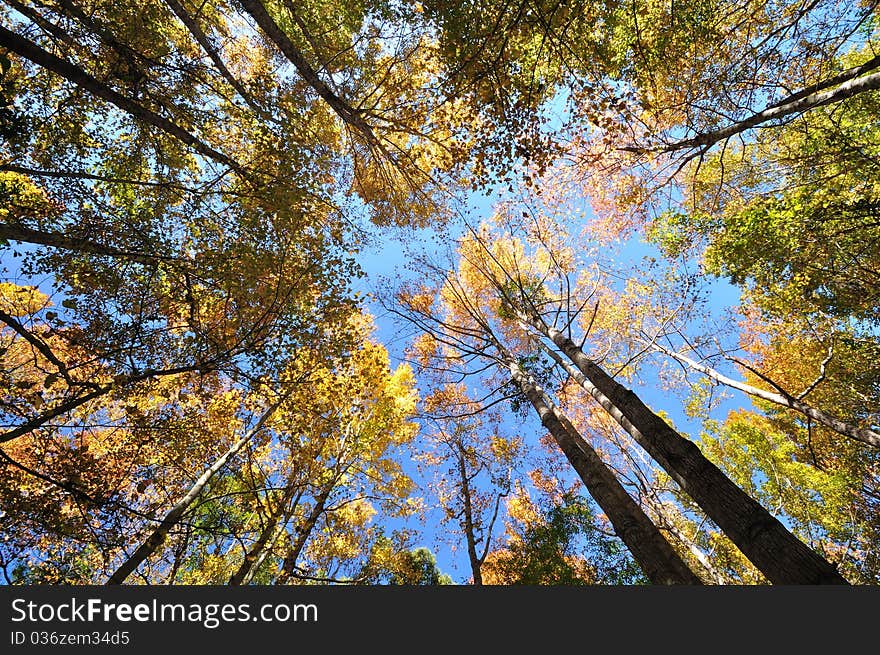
column 657, row 559
column 762, row 538
column 865, row 435
column 202, row 39
column 62, row 241
column 696, row 552
column 846, row 85
column 288, row 566
column 72, row 73
column 272, row 30
column 473, row 557
column 257, row 552
column 157, row 538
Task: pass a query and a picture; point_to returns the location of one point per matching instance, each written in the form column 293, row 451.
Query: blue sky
column 387, row 258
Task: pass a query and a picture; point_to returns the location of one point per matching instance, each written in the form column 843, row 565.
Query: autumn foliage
column 630, row 336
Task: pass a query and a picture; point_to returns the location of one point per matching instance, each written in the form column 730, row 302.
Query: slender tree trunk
column 157, row 538
column 476, row 564
column 72, row 73
column 653, row 553
column 797, row 103
column 288, row 567
column 841, row 427
column 133, row 57
column 43, row 348
column 81, row 175
column 344, row 110
column 38, row 19
column 835, row 80
column 254, row 556
column 762, row 538
column 205, row 43
column 73, row 403
column 696, row 552
column 12, row 232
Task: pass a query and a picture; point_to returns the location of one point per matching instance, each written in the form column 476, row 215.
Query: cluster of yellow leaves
column 506, row 450
column 521, row 508
column 19, row 301
column 548, row 485
column 424, row 348
column 21, row 198
column 449, row 398
column 417, row 141
column 340, row 539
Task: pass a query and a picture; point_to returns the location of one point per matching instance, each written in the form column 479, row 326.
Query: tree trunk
column 157, row 538
column 653, row 553
column 72, row 73
column 99, row 390
column 205, row 43
column 696, row 552
column 12, row 232
column 254, row 556
column 762, row 538
column 476, row 564
column 288, row 567
column 81, row 175
column 45, row 25
column 796, row 103
column 345, row 111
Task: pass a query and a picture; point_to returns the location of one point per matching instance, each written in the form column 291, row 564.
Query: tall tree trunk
column 157, row 538
column 99, row 390
column 43, row 348
column 81, row 175
column 13, row 232
column 72, row 73
column 344, row 110
column 288, row 567
column 476, row 564
column 254, row 556
column 762, row 538
column 696, row 552
column 653, row 553
column 134, row 58
column 45, row 25
column 206, row 45
column 845, row 85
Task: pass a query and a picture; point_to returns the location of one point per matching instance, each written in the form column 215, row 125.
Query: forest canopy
column 425, row 293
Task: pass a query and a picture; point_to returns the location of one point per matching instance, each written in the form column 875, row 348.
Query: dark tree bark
column 74, row 74
column 657, row 559
column 13, row 232
column 762, row 538
column 157, row 537
column 97, row 391
column 474, row 559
